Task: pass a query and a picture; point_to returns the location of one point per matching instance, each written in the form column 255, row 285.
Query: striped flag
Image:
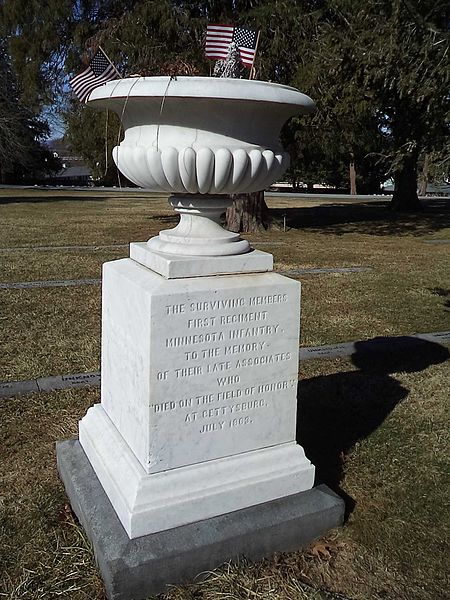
column 99, row 71
column 219, row 38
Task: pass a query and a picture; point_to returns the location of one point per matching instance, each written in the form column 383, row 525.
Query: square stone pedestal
column 190, row 460
column 199, row 396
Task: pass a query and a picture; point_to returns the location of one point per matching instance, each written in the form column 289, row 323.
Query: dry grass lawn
column 50, row 331
column 394, row 545
column 377, row 430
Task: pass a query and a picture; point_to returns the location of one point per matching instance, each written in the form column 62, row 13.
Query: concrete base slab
column 135, row 569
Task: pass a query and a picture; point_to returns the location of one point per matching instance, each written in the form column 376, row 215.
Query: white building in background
column 74, row 170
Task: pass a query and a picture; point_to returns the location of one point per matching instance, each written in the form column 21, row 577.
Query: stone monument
column 190, row 459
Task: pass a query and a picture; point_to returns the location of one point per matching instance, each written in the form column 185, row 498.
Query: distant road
column 311, row 196
column 73, row 188
column 342, row 197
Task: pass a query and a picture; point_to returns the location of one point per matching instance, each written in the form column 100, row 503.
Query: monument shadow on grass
column 371, row 218
column 336, row 411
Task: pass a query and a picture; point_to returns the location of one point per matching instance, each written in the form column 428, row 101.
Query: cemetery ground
column 376, row 426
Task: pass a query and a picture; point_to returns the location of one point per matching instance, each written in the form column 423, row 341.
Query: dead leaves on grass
column 66, row 515
column 320, row 550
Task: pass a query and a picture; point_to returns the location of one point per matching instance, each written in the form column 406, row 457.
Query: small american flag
column 219, row 38
column 99, row 71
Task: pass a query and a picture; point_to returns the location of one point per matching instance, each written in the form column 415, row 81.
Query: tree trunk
column 424, row 176
column 405, row 197
column 248, row 213
column 352, row 174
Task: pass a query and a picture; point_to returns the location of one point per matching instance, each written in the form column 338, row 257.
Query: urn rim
column 212, row 88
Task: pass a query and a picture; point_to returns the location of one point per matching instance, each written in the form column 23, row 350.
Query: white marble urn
column 200, row 139
column 201, row 135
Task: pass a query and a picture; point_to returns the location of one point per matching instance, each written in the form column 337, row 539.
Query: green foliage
column 23, row 157
column 288, row 35
column 439, row 164
column 36, row 33
column 93, row 134
column 381, row 80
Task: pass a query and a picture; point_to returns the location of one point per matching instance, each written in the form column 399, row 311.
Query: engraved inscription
column 227, row 352
column 175, row 309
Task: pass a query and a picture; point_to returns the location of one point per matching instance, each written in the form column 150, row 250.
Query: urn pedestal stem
column 199, row 232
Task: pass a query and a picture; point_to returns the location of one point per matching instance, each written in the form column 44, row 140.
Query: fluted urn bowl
column 201, row 135
column 200, row 139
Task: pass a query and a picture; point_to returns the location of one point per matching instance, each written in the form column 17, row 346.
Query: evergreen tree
column 36, row 35
column 381, row 68
column 23, row 156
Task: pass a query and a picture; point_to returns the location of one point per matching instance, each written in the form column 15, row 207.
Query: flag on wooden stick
column 219, row 38
column 99, row 71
